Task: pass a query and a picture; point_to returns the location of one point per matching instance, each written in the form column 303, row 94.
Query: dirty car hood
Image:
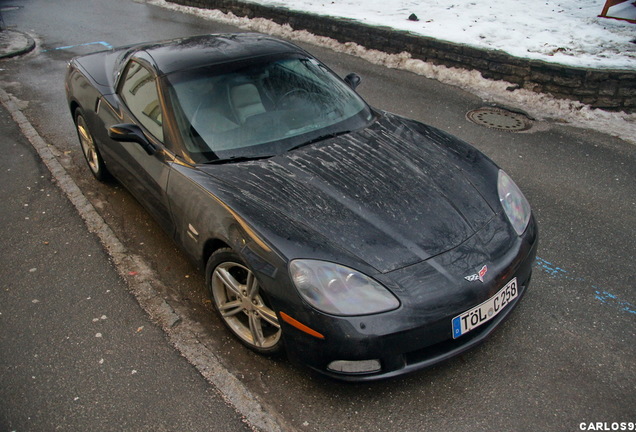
column 392, row 194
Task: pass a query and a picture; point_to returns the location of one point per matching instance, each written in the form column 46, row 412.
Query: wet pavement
column 565, row 356
column 76, row 351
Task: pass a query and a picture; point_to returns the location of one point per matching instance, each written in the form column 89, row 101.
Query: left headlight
column 339, row 290
column 515, row 205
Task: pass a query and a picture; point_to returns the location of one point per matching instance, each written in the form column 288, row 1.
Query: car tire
column 241, row 303
column 89, row 147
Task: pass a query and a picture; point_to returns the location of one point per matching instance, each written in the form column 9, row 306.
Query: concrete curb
column 181, row 332
column 14, row 43
column 609, row 89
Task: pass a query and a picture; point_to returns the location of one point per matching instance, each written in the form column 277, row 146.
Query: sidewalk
column 77, row 352
column 14, row 43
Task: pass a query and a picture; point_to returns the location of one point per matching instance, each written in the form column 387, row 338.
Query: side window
column 140, row 94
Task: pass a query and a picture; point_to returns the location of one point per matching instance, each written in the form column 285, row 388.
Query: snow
column 561, row 31
column 571, row 24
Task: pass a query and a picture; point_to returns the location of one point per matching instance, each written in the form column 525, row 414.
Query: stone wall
column 609, row 89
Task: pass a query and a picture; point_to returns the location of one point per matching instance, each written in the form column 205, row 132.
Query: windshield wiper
column 235, row 159
column 318, row 139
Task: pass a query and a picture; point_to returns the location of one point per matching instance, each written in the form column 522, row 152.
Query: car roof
column 197, row 51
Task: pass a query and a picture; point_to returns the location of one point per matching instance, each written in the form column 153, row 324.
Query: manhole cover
column 497, row 118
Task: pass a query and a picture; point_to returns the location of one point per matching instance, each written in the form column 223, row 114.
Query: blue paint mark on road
column 601, row 295
column 612, row 300
column 555, row 271
column 105, row 44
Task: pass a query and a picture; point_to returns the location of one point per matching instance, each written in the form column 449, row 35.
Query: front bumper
column 419, row 333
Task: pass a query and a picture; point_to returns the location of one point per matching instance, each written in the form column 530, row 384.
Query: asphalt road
column 566, row 355
column 76, row 351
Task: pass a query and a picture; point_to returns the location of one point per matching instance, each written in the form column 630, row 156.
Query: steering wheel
column 286, row 98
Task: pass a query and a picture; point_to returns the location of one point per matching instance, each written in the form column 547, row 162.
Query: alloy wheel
column 237, row 296
column 88, row 145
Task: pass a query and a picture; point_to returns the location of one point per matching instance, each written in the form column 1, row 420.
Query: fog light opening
column 355, row 366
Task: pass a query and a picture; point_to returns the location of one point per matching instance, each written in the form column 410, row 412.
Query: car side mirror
column 353, row 80
column 131, row 133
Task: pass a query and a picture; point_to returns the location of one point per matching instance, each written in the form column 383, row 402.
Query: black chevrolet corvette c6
column 363, row 244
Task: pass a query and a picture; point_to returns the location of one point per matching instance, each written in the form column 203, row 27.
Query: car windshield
column 261, row 107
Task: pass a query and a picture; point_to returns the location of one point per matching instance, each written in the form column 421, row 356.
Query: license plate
column 486, row 311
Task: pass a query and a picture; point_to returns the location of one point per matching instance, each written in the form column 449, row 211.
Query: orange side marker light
column 300, row 326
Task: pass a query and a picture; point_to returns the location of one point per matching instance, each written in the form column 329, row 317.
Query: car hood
column 393, row 194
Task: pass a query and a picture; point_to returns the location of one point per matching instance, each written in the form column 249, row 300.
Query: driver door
column 144, row 175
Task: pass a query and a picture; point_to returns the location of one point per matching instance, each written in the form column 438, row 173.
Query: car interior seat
column 245, row 101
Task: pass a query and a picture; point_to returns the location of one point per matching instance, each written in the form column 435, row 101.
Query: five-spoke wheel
column 242, row 304
column 91, row 153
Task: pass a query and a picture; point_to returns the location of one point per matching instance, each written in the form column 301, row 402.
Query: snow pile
column 560, row 31
column 537, row 105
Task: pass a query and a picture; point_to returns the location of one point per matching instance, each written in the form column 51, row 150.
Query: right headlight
column 339, row 290
column 515, row 205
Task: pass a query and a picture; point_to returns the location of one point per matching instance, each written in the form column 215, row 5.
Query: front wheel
column 89, row 148
column 242, row 304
